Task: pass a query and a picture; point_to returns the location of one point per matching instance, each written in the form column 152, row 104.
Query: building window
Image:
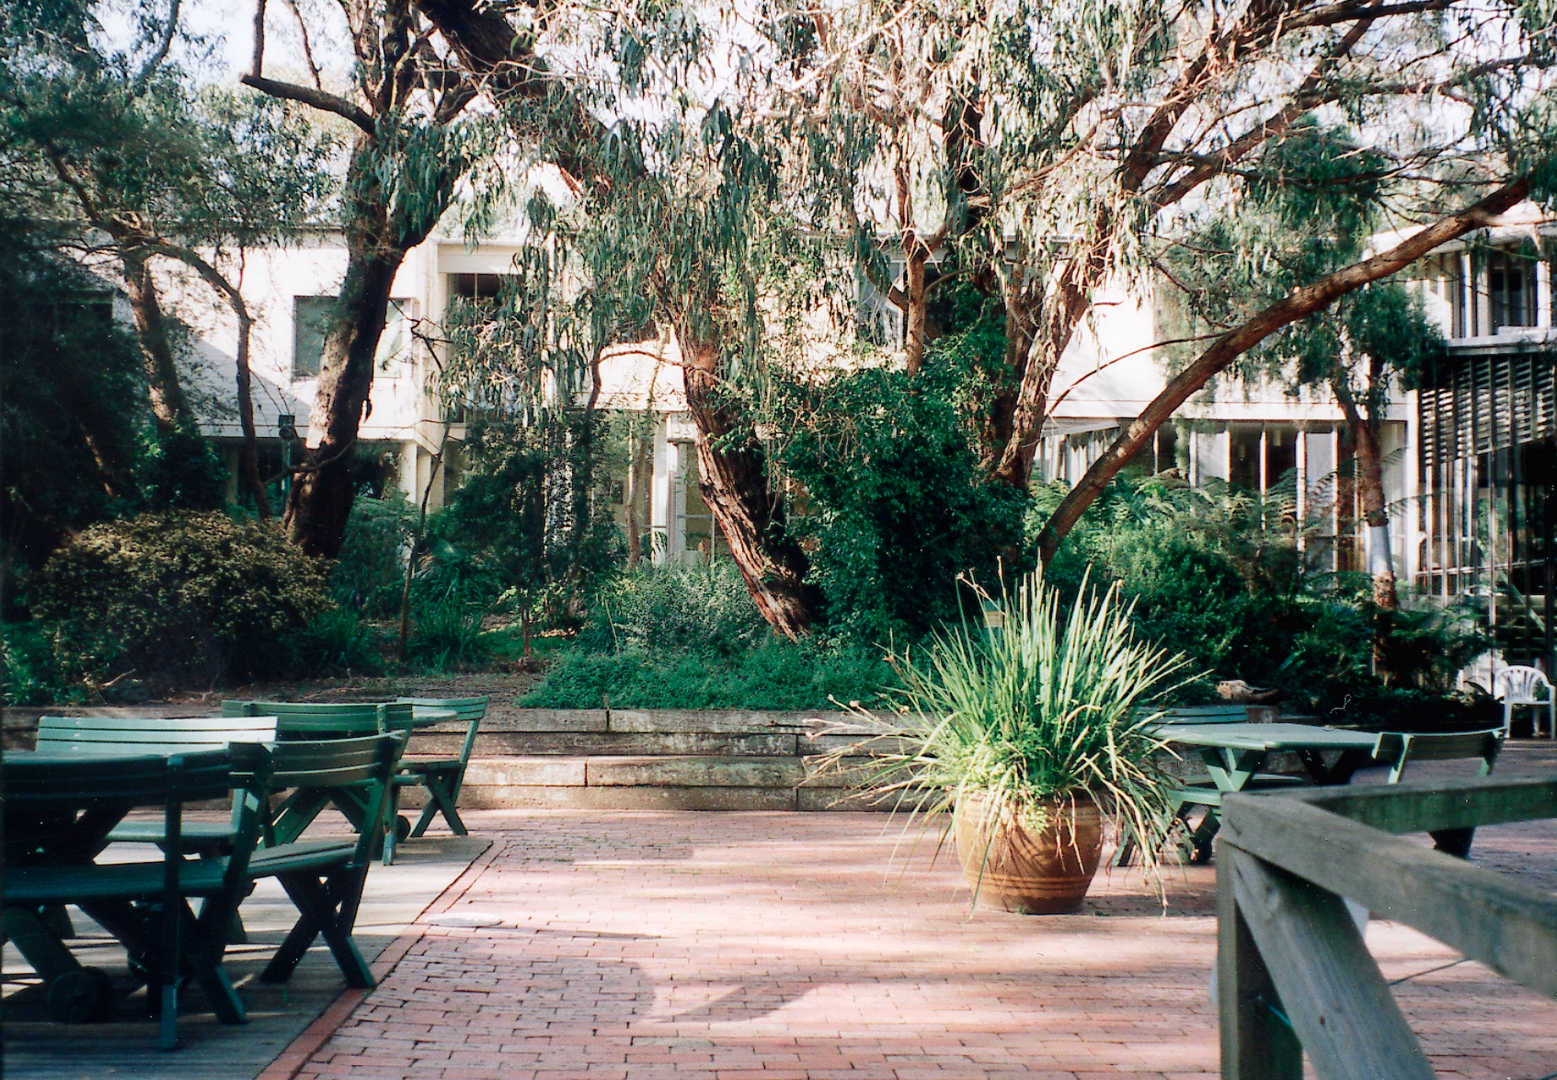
column 1511, row 289
column 477, row 286
column 311, row 318
column 878, row 320
column 1262, row 457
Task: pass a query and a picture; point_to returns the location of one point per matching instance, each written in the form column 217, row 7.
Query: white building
column 1470, row 460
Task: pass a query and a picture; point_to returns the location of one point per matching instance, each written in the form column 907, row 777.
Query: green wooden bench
column 441, row 775
column 58, row 811
column 328, row 720
column 161, row 735
column 325, row 877
column 1398, row 749
column 1199, row 714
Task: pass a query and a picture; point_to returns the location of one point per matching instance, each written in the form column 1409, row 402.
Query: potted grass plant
column 1027, row 733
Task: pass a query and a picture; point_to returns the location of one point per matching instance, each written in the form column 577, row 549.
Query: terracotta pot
column 1036, row 872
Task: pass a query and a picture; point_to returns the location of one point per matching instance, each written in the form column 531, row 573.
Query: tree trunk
column 734, row 483
column 1300, row 302
column 915, row 256
column 998, row 424
column 168, row 404
column 637, row 454
column 248, row 453
column 321, row 496
column 1064, row 304
column 1365, row 440
column 914, row 337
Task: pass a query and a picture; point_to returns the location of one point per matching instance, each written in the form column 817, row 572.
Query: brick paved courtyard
column 777, row 945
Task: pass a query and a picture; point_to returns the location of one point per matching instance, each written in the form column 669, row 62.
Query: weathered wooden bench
column 1397, row 749
column 325, row 877
column 441, row 776
column 328, row 720
column 59, row 809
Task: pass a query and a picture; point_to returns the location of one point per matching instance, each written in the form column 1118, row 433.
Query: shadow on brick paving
column 33, row 1047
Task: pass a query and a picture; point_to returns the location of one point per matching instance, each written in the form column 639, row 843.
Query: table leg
column 76, row 994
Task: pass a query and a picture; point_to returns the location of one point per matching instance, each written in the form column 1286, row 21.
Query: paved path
column 775, row 945
column 787, row 946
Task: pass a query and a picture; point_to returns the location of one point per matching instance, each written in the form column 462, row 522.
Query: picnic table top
column 1277, row 736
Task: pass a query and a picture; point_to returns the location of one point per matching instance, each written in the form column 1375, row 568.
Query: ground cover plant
column 687, row 637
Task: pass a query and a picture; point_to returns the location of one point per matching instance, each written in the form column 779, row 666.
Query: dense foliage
column 687, row 637
column 1218, row 574
column 895, row 505
column 180, row 594
column 78, row 438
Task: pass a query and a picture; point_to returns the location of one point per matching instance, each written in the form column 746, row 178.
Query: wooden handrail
column 1287, row 947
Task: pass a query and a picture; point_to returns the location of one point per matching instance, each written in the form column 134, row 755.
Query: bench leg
column 326, row 908
column 441, row 795
column 1455, row 842
column 429, row 812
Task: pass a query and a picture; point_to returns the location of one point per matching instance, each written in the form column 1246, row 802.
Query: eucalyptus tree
column 120, row 150
column 677, row 219
column 1316, row 207
column 414, row 142
column 1064, row 148
column 1054, row 150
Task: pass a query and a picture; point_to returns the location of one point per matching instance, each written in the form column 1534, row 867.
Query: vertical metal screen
column 1489, row 467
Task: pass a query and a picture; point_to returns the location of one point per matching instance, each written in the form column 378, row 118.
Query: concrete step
column 654, row 782
column 625, row 759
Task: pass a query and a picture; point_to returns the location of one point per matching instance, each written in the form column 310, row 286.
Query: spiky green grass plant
column 1032, row 709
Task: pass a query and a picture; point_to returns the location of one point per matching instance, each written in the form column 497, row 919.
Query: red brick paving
column 772, row 946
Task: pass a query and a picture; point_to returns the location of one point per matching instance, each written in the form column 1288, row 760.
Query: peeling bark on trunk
column 321, row 496
column 915, row 324
column 1386, row 598
column 998, row 424
column 248, row 453
column 168, row 404
column 1365, row 440
column 915, row 256
column 1300, row 302
column 734, row 483
column 1066, row 302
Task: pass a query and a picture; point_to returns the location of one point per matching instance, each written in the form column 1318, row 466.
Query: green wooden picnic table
column 58, row 812
column 1236, row 758
column 333, row 720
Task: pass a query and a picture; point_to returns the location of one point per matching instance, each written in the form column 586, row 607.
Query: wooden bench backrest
column 1398, row 749
column 325, row 763
column 467, row 710
column 1204, row 714
column 326, row 720
column 120, row 734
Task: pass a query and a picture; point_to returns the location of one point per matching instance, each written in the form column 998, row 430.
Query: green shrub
column 1216, row 573
column 446, row 632
column 896, row 505
column 29, row 673
column 337, row 640
column 178, row 595
column 777, row 674
column 701, row 607
column 370, row 572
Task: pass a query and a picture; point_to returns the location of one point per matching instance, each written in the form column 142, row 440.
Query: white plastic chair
column 1519, row 685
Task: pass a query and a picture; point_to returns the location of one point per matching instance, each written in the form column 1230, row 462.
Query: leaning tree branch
column 318, row 99
column 154, row 61
column 1299, row 303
